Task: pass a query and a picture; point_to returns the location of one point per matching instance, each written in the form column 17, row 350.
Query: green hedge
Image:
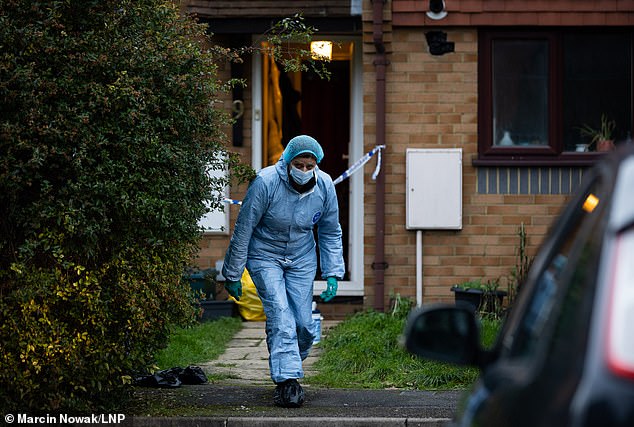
column 107, row 126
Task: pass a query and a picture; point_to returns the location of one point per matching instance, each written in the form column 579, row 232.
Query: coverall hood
column 303, row 144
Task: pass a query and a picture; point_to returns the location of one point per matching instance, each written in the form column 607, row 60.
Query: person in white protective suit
column 273, row 238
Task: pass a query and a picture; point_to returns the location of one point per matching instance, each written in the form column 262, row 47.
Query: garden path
column 245, row 360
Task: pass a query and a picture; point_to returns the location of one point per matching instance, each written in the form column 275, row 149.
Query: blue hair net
column 303, row 144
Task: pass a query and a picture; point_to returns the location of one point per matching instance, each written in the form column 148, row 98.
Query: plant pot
column 605, row 145
column 469, row 298
column 202, row 282
column 215, row 309
column 478, row 299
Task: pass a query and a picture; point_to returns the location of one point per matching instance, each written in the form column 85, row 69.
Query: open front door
column 331, row 111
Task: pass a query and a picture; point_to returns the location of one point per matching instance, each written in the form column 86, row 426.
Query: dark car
column 565, row 353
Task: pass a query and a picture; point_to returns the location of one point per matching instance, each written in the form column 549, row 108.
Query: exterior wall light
column 436, row 9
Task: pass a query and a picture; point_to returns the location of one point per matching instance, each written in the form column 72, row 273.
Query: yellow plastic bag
column 250, row 305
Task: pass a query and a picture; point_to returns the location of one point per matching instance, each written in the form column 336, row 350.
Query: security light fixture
column 436, row 9
column 438, row 44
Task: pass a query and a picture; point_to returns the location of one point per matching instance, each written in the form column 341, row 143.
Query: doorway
column 326, row 117
column 331, row 112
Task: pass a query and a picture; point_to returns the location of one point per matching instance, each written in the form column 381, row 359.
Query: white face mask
column 299, row 176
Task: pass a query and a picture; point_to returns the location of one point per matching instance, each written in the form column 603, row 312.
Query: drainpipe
column 380, row 62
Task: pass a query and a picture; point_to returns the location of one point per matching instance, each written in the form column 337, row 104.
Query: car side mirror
column 444, row 333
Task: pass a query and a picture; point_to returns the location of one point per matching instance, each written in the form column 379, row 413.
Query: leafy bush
column 107, row 128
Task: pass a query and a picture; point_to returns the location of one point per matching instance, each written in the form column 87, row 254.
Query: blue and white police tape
column 232, row 201
column 362, row 161
column 352, row 169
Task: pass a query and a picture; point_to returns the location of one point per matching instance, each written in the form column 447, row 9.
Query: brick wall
column 432, row 103
column 213, row 246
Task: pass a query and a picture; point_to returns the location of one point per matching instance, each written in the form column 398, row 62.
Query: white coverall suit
column 273, row 237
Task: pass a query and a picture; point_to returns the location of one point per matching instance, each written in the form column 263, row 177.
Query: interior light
column 321, row 50
column 591, row 203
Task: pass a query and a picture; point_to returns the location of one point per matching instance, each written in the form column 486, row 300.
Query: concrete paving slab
column 251, row 333
column 246, row 342
column 242, row 353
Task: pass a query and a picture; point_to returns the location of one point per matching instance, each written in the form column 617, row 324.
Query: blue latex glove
column 234, row 288
column 331, row 289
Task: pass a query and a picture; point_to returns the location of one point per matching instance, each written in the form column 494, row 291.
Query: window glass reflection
column 520, row 93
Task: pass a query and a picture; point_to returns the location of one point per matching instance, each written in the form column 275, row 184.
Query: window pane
column 597, row 81
column 520, row 92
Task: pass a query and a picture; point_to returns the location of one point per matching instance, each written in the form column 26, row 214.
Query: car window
column 571, row 324
column 564, row 267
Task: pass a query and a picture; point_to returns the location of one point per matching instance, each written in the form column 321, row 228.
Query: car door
column 541, row 348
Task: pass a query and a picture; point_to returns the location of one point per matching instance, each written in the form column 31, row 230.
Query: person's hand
column 234, row 288
column 331, row 289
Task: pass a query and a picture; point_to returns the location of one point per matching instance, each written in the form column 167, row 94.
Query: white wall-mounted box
column 434, row 189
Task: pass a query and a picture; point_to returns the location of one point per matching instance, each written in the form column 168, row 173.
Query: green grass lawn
column 197, row 344
column 364, row 351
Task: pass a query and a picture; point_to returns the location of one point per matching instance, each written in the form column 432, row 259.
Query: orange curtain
column 272, row 112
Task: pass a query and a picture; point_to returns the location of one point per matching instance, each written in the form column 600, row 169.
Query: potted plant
column 205, row 289
column 477, row 295
column 603, row 136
